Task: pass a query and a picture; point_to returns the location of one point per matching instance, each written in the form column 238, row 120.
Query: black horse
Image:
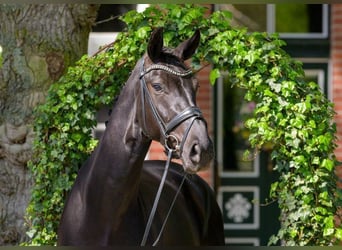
column 113, row 195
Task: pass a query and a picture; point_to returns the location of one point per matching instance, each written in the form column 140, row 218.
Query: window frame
column 271, row 24
column 219, row 141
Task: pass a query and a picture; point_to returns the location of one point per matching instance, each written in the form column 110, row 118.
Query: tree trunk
column 39, row 42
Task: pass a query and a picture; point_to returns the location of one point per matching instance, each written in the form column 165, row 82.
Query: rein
column 191, row 112
column 156, row 201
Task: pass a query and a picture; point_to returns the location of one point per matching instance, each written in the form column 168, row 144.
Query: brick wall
column 336, row 57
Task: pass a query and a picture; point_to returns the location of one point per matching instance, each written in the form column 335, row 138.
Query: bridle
column 165, row 128
column 191, row 112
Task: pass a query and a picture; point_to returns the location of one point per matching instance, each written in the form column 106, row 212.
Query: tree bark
column 39, row 42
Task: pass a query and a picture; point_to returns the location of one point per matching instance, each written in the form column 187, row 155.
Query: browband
column 167, row 69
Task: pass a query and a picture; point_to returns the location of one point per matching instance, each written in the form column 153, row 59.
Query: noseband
column 166, row 128
column 191, row 112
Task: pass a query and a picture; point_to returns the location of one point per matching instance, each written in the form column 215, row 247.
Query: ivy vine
column 291, row 114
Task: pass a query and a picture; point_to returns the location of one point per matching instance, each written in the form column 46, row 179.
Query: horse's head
column 168, row 102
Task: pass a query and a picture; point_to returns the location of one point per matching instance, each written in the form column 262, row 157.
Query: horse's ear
column 155, row 45
column 187, row 48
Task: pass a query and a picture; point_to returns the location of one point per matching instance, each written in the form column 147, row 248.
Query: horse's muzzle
column 198, row 150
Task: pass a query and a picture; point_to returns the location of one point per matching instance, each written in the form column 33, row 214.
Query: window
column 298, row 20
column 289, row 20
column 252, row 16
column 107, row 20
column 232, row 136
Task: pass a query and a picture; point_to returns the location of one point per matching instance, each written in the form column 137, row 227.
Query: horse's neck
column 113, row 171
column 122, row 149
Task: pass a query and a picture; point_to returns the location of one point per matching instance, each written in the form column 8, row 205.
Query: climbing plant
column 291, row 114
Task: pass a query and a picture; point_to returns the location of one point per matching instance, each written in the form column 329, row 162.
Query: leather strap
column 156, row 200
column 183, row 116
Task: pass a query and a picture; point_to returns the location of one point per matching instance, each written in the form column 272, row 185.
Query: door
column 243, row 181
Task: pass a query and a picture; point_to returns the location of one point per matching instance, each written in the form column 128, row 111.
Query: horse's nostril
column 195, row 153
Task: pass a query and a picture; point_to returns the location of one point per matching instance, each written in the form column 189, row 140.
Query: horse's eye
column 157, row 87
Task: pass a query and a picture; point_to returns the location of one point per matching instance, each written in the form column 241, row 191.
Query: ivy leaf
column 214, row 74
column 143, row 32
column 328, row 164
column 274, row 86
column 338, row 233
column 329, row 226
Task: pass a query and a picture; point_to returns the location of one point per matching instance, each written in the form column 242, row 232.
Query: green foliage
column 291, row 114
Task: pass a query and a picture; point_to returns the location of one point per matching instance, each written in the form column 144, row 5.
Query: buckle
column 170, row 140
